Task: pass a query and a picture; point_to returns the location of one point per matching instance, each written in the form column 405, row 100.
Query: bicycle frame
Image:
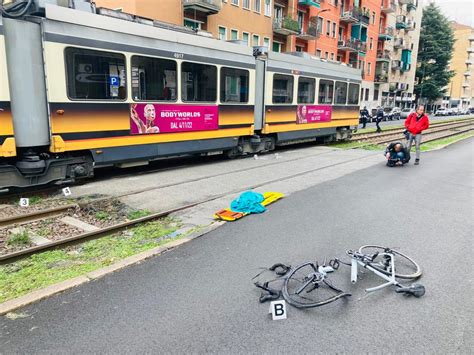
column 390, row 279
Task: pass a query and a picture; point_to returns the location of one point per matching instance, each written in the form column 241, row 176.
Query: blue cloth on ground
column 248, row 202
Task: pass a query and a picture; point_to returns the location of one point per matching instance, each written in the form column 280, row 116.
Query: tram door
column 259, row 112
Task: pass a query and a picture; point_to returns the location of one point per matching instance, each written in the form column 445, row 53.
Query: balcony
column 405, row 67
column 471, row 37
column 467, row 73
column 411, row 5
column 469, row 62
column 286, row 26
column 389, row 7
column 352, row 45
column 315, row 3
column 392, row 87
column 383, row 56
column 355, row 15
column 310, row 34
column 381, row 78
column 470, row 50
column 396, row 65
column 398, row 43
column 386, row 34
column 401, row 22
column 466, row 84
column 410, row 25
column 208, row 7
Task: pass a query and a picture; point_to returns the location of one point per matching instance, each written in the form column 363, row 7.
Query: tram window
column 306, row 87
column 341, row 93
column 282, row 89
column 153, row 79
column 234, row 85
column 198, row 82
column 326, row 91
column 353, row 96
column 95, row 75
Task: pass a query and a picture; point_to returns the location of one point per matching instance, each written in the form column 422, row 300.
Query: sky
column 462, row 11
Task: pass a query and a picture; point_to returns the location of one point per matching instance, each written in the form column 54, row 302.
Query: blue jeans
column 397, row 156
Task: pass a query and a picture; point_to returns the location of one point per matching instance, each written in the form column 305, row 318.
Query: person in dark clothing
column 378, row 119
column 364, row 114
column 397, row 154
column 415, row 123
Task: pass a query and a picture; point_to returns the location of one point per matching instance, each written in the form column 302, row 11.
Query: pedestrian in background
column 378, row 119
column 415, row 124
column 364, row 113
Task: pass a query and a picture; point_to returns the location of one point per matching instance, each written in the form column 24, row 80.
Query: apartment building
column 380, row 37
column 460, row 91
column 399, row 35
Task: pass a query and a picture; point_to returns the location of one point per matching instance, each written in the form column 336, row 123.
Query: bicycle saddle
column 415, row 289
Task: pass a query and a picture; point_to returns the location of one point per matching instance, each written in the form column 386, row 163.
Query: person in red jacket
column 416, row 123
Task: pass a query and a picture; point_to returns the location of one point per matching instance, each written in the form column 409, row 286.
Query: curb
column 51, row 290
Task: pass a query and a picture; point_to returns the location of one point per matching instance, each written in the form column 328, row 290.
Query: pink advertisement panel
column 313, row 113
column 159, row 118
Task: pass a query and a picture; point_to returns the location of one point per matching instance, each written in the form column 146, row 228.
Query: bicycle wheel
column 305, row 287
column 405, row 267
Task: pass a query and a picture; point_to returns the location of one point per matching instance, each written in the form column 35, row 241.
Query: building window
column 198, row 82
column 361, row 94
column 257, row 5
column 245, row 37
column 276, row 47
column 266, row 42
column 222, row 33
column 268, row 8
column 353, row 95
column 341, row 93
column 332, row 56
column 318, row 53
column 301, row 20
column 234, row 2
column 246, row 4
column 234, row 85
column 282, row 89
column 255, row 40
column 366, row 94
column 371, row 43
column 107, row 69
column 328, row 28
column 334, row 30
column 153, row 79
column 373, row 17
column 376, row 94
column 319, row 25
column 306, row 88
column 326, row 91
column 369, row 68
column 234, row 34
column 339, row 58
column 326, row 55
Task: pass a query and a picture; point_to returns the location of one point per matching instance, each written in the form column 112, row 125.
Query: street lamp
column 317, row 29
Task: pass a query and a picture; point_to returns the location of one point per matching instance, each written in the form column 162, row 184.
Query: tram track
column 110, row 230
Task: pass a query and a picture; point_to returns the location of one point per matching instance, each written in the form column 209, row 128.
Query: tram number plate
column 178, row 55
column 24, row 202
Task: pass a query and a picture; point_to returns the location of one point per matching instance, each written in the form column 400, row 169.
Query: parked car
column 405, row 112
column 442, row 111
column 394, row 114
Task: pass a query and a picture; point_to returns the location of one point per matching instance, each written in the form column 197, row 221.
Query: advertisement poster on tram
column 313, row 113
column 158, row 118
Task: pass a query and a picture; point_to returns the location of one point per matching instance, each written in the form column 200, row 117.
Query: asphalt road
column 199, row 298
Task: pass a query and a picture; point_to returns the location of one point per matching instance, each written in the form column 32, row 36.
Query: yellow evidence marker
column 228, row 215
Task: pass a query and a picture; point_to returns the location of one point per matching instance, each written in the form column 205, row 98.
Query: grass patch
column 102, row 215
column 362, row 145
column 445, row 141
column 138, row 214
column 19, row 239
column 41, row 270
